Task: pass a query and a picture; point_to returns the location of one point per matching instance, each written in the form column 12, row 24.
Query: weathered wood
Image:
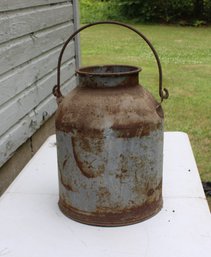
column 76, row 23
column 26, row 127
column 14, row 138
column 46, row 108
column 32, row 33
column 7, row 5
column 22, row 22
column 24, row 49
column 24, row 102
column 23, row 77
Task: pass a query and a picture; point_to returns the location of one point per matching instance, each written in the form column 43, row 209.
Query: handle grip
column 163, row 93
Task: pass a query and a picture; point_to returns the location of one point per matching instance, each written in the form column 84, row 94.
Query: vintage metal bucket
column 109, row 132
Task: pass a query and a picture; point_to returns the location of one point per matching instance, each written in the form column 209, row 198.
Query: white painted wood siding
column 32, row 33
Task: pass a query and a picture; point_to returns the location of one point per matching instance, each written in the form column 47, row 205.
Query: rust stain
column 122, row 170
column 63, row 182
column 150, row 192
column 154, row 191
column 64, row 163
column 115, row 217
column 67, row 186
column 84, row 166
column 135, row 130
column 117, row 109
column 131, row 111
column 159, row 111
column 103, row 194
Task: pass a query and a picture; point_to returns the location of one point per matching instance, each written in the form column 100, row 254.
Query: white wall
column 32, row 33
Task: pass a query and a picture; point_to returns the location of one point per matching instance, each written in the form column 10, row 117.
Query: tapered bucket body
column 109, row 133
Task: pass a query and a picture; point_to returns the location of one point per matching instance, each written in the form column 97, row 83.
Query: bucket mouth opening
column 108, row 70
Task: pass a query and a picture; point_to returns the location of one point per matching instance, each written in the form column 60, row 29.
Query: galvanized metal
column 109, row 133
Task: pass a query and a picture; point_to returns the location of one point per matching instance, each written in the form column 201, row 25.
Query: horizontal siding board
column 26, row 127
column 27, row 21
column 27, row 48
column 30, row 98
column 47, row 108
column 7, row 5
column 32, row 33
column 14, row 138
column 23, row 77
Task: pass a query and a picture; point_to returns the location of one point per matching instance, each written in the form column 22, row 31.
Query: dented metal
column 109, row 133
column 110, row 147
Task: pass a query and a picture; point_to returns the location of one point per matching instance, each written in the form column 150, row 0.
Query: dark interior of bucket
column 109, row 69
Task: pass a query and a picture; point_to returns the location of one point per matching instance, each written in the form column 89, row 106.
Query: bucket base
column 111, row 219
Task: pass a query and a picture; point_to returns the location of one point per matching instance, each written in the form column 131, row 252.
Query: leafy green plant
column 157, row 10
column 199, row 23
column 191, row 12
column 95, row 10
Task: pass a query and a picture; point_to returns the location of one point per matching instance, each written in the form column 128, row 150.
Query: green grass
column 185, row 54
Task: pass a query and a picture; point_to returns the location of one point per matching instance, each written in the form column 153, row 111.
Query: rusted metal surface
column 121, row 218
column 110, row 148
column 110, row 144
column 108, row 76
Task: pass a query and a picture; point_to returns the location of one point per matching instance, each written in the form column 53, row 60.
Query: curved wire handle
column 164, row 94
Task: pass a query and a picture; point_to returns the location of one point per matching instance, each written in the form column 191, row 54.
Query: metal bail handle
column 162, row 92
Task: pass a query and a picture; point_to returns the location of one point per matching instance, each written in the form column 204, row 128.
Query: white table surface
column 31, row 225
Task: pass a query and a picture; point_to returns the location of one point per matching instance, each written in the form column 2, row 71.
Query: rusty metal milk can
column 109, row 133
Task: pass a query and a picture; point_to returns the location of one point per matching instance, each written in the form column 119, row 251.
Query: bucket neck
column 108, row 76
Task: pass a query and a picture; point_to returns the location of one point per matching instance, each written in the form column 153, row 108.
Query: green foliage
column 95, row 10
column 166, row 10
column 188, row 12
column 207, row 9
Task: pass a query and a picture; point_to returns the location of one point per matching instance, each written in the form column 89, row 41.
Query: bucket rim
column 86, row 70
